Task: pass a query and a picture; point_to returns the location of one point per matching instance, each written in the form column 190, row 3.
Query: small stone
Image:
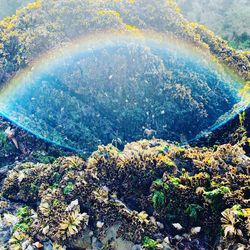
column 166, row 246
column 178, row 237
column 25, row 244
column 166, row 240
column 195, row 230
column 96, row 244
column 160, row 246
column 48, row 245
column 177, row 226
column 45, row 230
column 136, row 247
column 38, row 245
column 160, row 225
column 99, row 224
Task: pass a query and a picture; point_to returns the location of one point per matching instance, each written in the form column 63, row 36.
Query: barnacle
column 101, row 194
column 229, row 223
column 73, row 221
column 57, row 246
column 70, row 226
column 45, row 208
column 16, row 240
column 143, row 217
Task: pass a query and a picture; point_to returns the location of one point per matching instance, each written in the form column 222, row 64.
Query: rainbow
column 91, row 42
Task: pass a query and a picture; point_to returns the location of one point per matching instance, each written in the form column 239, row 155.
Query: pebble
column 136, row 247
column 160, row 225
column 166, row 246
column 99, row 224
column 96, row 244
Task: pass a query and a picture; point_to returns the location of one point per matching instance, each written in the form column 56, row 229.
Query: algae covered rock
column 197, row 189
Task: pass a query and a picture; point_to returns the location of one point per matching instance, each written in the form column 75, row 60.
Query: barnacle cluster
column 155, row 192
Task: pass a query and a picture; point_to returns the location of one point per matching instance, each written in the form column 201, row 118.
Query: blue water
column 116, row 92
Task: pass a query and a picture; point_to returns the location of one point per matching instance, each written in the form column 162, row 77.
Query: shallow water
column 120, row 90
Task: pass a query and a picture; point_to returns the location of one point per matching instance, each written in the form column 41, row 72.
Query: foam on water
column 111, row 86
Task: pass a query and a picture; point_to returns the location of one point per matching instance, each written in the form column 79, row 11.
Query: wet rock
column 83, row 241
column 136, row 247
column 160, row 225
column 5, row 234
column 96, row 244
column 3, row 172
column 48, row 245
column 166, row 246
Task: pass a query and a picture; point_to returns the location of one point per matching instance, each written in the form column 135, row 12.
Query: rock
column 46, row 230
column 117, row 243
column 136, row 247
column 83, row 241
column 10, row 219
column 48, row 245
column 166, row 240
column 3, row 172
column 160, row 225
column 178, row 237
column 38, row 245
column 99, row 224
column 26, row 245
column 160, row 246
column 177, row 226
column 4, row 234
column 120, row 244
column 166, row 246
column 195, row 230
column 96, row 244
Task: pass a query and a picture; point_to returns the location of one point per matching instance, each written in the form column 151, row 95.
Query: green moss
column 160, row 184
column 149, row 243
column 175, row 181
column 238, row 210
column 56, row 177
column 55, row 202
column 217, row 192
column 43, row 157
column 34, row 187
column 193, row 210
column 215, row 197
column 69, row 188
column 23, row 212
column 25, row 221
column 158, row 199
column 23, row 226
